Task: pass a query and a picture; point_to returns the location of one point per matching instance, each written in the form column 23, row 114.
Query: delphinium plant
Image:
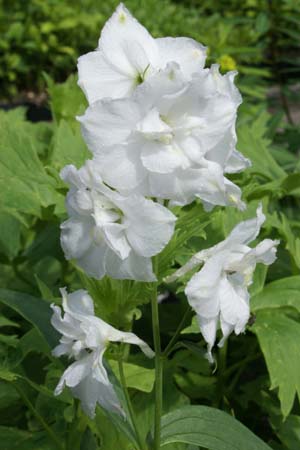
column 161, row 131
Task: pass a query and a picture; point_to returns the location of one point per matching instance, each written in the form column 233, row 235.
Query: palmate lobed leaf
column 279, row 337
column 280, row 293
column 68, row 147
column 25, row 185
column 191, row 223
column 254, row 145
column 209, row 428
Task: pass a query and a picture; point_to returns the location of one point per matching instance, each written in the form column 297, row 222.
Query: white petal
column 162, row 158
column 189, row 54
column 116, row 239
column 76, row 237
column 93, row 261
column 64, row 325
column 78, row 303
column 108, row 122
column 74, row 374
column 98, row 78
column 91, row 391
column 265, row 251
column 234, row 304
column 149, row 226
column 248, row 230
column 121, row 167
column 208, row 329
column 152, row 125
column 202, row 290
column 126, row 44
column 134, row 267
column 130, row 338
column 236, row 162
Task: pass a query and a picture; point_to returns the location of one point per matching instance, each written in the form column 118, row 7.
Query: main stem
column 158, row 368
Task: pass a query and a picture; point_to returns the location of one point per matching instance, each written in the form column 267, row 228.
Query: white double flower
column 171, row 139
column 109, row 233
column 158, row 123
column 218, row 293
column 85, row 338
column 127, row 55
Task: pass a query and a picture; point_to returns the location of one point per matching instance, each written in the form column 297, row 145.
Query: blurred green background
column 40, row 41
column 259, row 38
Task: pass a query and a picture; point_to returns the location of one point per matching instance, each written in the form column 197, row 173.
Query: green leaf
column 191, row 223
column 255, row 146
column 68, row 147
column 10, row 235
column 209, row 428
column 13, row 438
column 35, row 310
column 195, row 385
column 280, row 293
column 7, row 375
column 279, row 338
column 124, row 298
column 192, row 328
column 66, row 99
column 25, row 186
column 137, row 377
column 289, row 432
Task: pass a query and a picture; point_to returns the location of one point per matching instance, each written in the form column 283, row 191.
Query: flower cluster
column 218, row 292
column 85, row 338
column 159, row 126
column 161, row 129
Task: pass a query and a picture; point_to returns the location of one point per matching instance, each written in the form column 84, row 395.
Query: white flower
column 218, row 292
column 171, row 139
column 127, row 54
column 85, row 338
column 108, row 233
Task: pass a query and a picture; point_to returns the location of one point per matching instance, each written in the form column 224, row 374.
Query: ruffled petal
column 149, row 225
column 208, row 329
column 234, row 305
column 127, row 45
column 93, row 262
column 236, row 162
column 248, row 230
column 163, row 158
column 187, row 53
column 121, row 167
column 109, row 122
column 134, row 267
column 116, row 239
column 98, row 78
column 202, row 291
column 75, row 373
column 75, row 237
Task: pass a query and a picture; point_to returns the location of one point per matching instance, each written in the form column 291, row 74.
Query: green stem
column 158, row 368
column 129, row 404
column 40, row 419
column 176, row 335
column 221, row 370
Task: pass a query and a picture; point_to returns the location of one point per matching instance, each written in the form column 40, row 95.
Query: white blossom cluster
column 85, row 338
column 160, row 126
column 161, row 129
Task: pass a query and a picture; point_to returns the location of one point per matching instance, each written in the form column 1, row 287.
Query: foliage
column 256, row 378
column 39, row 37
